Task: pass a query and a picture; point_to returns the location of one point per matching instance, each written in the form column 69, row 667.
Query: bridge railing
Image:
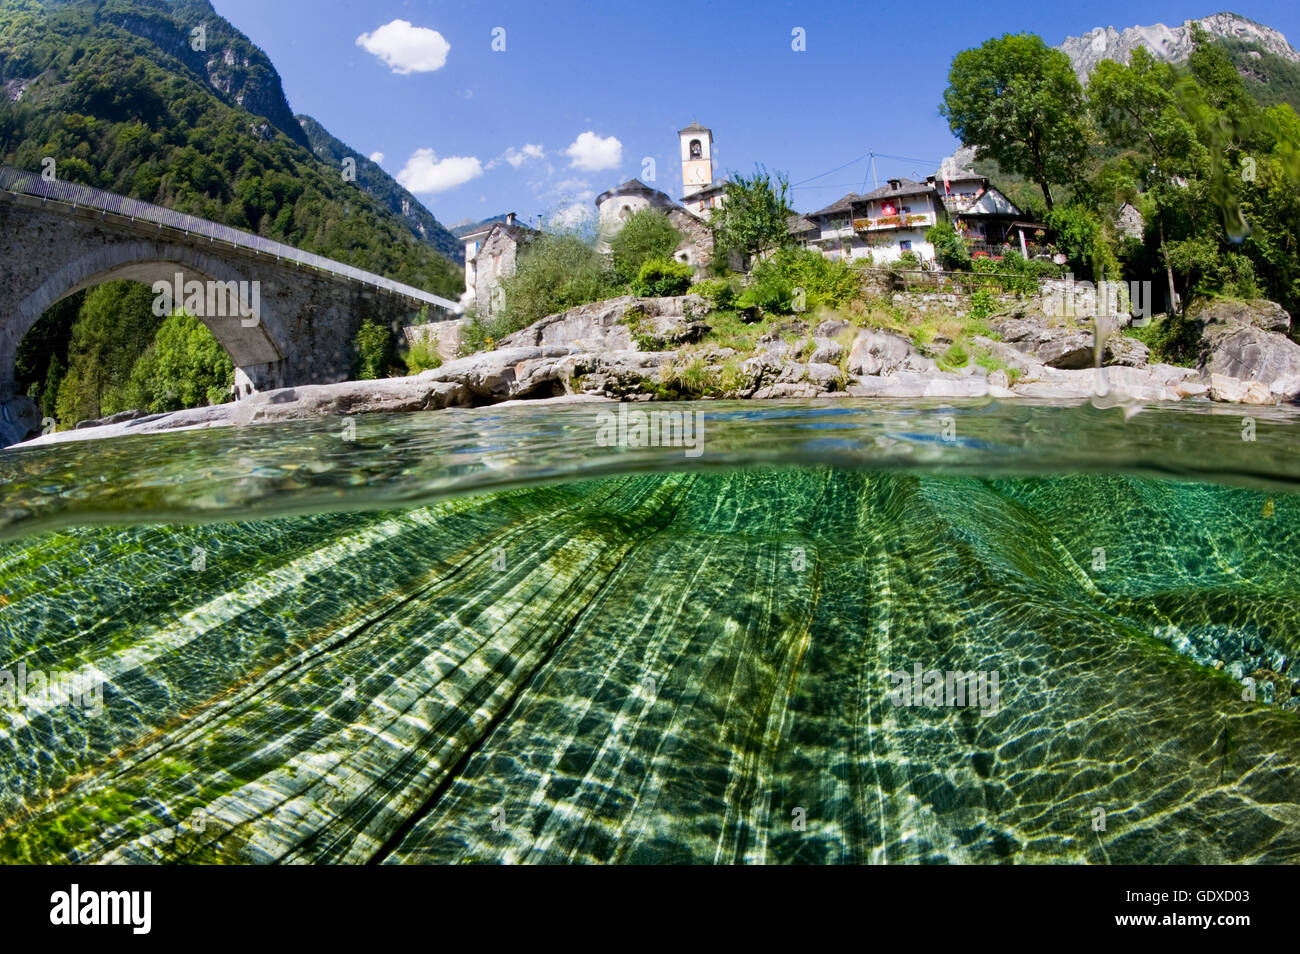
column 33, row 184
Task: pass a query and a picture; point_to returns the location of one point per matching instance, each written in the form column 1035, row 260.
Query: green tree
column 646, row 235
column 113, row 328
column 755, row 217
column 1019, row 102
column 185, row 366
column 554, row 272
column 949, row 247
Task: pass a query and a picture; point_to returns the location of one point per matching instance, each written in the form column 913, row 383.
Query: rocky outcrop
column 1236, row 391
column 617, row 324
column 1066, row 345
column 876, row 352
column 1247, row 341
column 19, row 417
column 1171, row 44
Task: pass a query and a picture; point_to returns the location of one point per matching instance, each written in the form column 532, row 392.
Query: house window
column 905, row 246
column 696, row 152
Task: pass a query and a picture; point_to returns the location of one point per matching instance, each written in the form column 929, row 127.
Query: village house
column 984, row 216
column 881, row 225
column 490, row 254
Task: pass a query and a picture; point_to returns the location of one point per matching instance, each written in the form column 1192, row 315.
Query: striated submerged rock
column 663, row 668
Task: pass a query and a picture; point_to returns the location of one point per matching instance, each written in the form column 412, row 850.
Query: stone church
column 490, row 251
column 700, row 194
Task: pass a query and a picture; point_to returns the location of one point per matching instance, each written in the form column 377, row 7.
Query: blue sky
column 583, row 93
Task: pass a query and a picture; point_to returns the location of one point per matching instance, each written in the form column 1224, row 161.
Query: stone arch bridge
column 58, row 238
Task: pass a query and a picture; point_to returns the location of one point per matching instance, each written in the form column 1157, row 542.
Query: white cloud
column 517, row 157
column 572, row 185
column 425, row 172
column 571, row 216
column 377, row 157
column 591, row 153
column 405, row 48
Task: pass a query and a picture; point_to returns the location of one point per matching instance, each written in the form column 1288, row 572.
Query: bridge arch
column 255, row 346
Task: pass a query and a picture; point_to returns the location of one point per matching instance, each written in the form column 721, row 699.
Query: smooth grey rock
column 1260, row 312
column 879, row 352
column 504, row 373
column 827, row 351
column 603, row 325
column 830, row 328
column 1122, row 350
column 786, row 389
column 19, row 417
column 1248, row 352
column 617, row 373
column 1231, row 390
column 1060, row 347
column 386, row 395
column 824, row 376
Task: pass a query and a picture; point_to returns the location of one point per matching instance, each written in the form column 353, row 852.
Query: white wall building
column 880, row 225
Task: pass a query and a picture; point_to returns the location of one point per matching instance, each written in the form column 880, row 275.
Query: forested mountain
column 114, row 92
column 372, row 177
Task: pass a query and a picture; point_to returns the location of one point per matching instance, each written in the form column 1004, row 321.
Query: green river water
column 481, row 636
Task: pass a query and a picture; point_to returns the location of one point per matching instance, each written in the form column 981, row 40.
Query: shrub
column 949, row 247
column 716, row 291
column 553, row 273
column 1173, row 339
column 376, row 351
column 981, row 304
column 662, row 277
column 646, row 236
column 422, row 355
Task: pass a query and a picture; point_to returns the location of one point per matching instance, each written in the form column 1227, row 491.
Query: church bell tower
column 697, row 158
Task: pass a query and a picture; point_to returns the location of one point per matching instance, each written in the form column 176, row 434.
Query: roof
column 518, row 233
column 904, row 187
column 695, row 127
column 630, row 187
column 716, row 188
column 798, row 223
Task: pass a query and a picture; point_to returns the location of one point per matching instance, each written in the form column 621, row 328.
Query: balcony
column 893, row 222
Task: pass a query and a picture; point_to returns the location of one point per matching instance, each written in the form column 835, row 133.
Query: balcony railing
column 893, row 222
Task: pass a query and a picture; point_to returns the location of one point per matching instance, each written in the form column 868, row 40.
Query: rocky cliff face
column 1172, row 44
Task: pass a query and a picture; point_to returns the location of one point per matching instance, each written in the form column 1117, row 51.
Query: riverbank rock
column 875, row 351
column 508, row 372
column 617, row 324
column 388, row 395
column 1237, row 391
column 1247, row 341
column 19, row 417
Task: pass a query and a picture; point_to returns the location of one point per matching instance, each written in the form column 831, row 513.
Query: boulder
column 830, row 328
column 616, row 324
column 1260, row 313
column 1125, row 351
column 387, row 395
column 617, row 373
column 19, row 417
column 827, row 351
column 1244, row 350
column 1237, row 391
column 787, row 389
column 880, row 352
column 1063, row 346
column 823, row 376
column 506, row 372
